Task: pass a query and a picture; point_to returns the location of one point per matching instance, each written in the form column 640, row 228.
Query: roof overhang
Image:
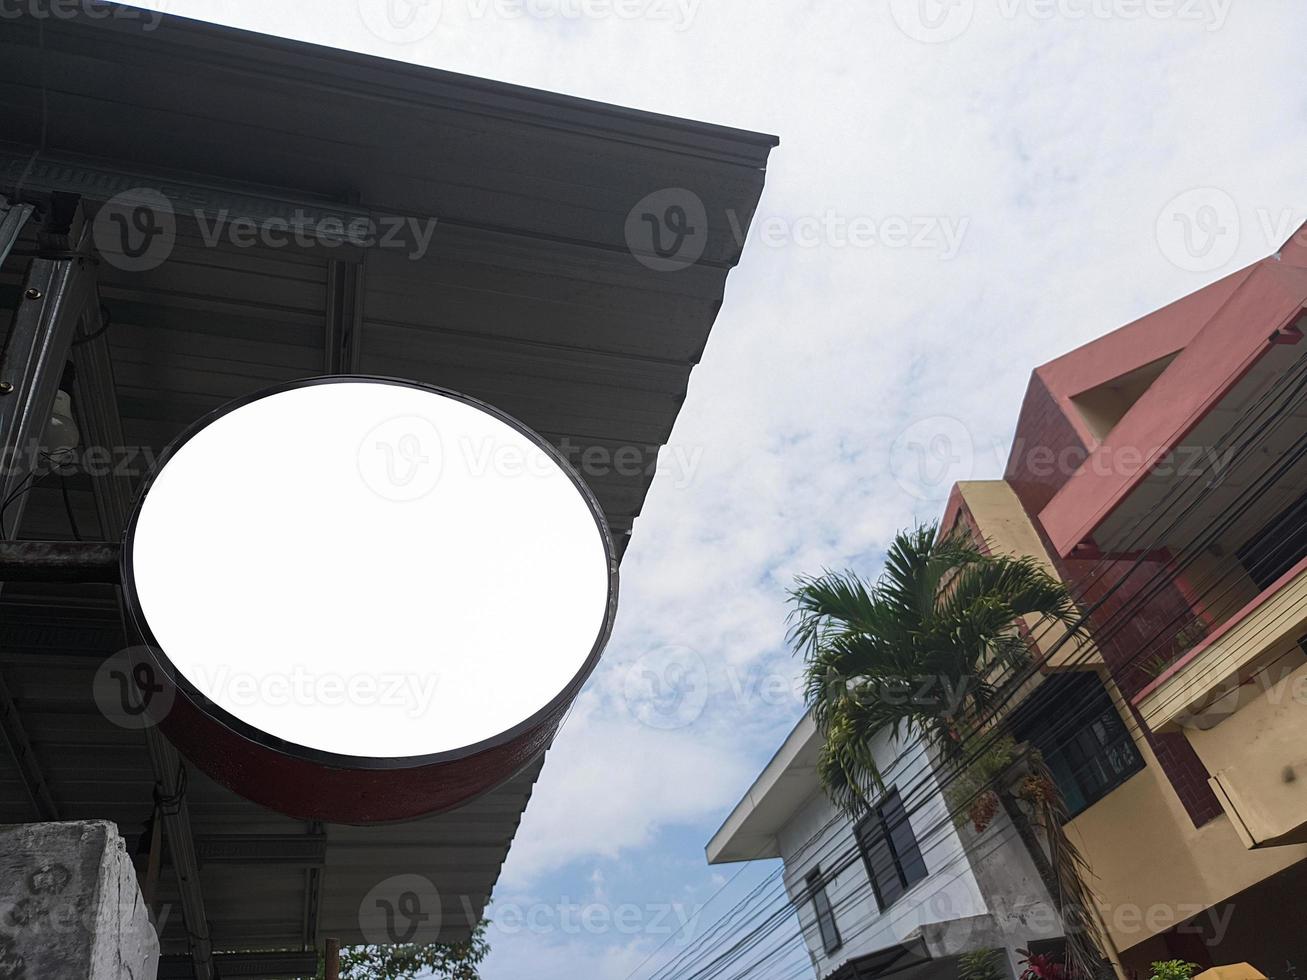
column 890, row 961
column 788, row 781
column 1260, row 317
column 528, row 298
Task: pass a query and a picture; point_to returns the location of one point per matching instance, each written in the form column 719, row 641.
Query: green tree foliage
column 930, row 651
column 1172, row 970
column 441, row 961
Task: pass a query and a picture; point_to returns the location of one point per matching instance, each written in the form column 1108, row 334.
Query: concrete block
column 70, row 908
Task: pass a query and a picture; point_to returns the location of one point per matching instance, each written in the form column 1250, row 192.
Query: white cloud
column 1058, row 141
column 527, row 955
column 606, row 788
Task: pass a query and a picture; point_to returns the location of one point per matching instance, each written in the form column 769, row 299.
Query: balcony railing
column 1239, row 697
column 1230, row 655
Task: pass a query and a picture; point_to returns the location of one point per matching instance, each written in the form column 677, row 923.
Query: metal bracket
column 12, row 219
column 101, row 425
column 52, row 304
column 344, row 317
column 60, row 295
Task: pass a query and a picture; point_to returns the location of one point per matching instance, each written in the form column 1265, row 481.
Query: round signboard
column 373, row 599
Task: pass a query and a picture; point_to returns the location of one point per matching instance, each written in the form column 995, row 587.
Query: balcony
column 1240, row 697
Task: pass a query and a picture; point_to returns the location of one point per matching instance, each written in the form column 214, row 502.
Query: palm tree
column 931, row 650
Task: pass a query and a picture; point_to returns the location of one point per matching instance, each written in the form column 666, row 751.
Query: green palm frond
column 921, row 649
column 930, row 650
column 1076, row 900
column 830, row 603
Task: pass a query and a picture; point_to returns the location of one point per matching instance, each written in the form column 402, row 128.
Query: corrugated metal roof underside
column 527, row 298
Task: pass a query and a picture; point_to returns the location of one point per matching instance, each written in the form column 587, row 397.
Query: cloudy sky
column 1060, row 167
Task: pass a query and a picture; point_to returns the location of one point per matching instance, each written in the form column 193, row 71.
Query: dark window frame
column 1093, row 759
column 890, row 850
column 1274, row 548
column 827, row 928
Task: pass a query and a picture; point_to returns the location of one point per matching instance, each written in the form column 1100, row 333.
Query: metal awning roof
column 886, row 962
column 527, row 298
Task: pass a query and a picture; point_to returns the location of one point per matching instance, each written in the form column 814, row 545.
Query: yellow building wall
column 1007, row 530
column 1151, row 868
column 1257, row 754
column 1226, row 590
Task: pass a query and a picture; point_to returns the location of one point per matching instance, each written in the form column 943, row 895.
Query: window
column 1277, row 547
column 1088, row 758
column 890, row 850
column 830, row 935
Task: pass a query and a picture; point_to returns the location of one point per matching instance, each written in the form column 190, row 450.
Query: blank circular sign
column 370, row 574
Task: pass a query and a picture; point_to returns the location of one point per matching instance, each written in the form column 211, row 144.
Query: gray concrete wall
column 70, row 907
column 816, row 835
column 1020, row 909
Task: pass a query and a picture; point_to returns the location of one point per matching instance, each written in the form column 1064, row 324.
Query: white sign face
column 370, row 569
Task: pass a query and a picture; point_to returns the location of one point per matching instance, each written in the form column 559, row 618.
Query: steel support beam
column 12, row 219
column 95, row 399
column 314, row 878
column 342, row 347
column 168, row 769
column 29, row 768
column 52, row 304
column 263, row 965
column 308, row 850
column 59, row 295
column 101, row 425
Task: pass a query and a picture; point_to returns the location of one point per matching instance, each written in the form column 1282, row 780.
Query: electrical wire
column 827, row 875
column 68, row 508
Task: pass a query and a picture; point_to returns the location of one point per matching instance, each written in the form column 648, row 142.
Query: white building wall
column 818, row 835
